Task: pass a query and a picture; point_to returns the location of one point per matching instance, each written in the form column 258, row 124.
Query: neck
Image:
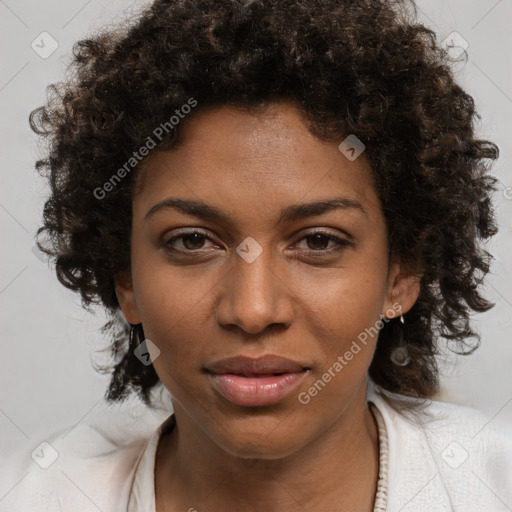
column 338, row 467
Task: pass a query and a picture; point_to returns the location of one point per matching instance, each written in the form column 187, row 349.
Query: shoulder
column 447, row 452
column 78, row 469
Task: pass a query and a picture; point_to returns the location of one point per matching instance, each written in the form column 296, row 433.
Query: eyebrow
column 288, row 214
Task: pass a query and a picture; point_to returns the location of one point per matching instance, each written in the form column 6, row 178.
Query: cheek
column 176, row 310
column 344, row 318
column 167, row 294
column 345, row 302
column 345, row 323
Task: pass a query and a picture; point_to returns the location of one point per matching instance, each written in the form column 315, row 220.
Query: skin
column 213, row 304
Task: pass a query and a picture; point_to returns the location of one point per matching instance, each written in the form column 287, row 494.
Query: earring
column 400, row 354
column 135, row 331
column 132, row 328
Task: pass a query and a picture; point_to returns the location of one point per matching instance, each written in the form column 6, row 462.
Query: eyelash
column 321, row 253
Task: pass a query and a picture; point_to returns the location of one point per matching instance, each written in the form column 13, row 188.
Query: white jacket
column 443, row 457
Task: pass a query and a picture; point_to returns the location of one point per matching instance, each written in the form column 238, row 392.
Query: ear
column 126, row 297
column 403, row 289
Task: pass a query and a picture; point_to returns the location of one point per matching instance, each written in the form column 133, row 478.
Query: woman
column 287, row 202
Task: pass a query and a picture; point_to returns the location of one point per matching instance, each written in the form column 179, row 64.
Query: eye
column 190, row 241
column 318, row 241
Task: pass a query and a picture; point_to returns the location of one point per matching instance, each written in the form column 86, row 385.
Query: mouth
column 256, row 382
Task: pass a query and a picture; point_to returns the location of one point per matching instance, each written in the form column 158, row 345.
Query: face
column 240, row 266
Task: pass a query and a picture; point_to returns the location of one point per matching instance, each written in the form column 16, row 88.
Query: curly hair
column 361, row 67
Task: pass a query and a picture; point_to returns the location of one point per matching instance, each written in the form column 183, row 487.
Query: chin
column 257, row 438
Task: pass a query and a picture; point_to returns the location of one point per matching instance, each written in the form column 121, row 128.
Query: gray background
column 48, row 341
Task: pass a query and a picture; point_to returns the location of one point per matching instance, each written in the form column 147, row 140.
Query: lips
column 256, row 382
column 265, row 365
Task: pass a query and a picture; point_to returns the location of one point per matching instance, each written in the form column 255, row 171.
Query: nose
column 256, row 295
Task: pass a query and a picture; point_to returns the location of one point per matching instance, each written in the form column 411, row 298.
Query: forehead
column 230, row 157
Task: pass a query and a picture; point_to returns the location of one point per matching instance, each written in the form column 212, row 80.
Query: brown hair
column 363, row 67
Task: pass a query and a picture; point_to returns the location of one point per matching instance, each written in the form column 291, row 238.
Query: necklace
column 381, row 497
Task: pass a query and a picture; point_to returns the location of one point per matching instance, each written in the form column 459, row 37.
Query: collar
column 415, row 481
column 414, row 478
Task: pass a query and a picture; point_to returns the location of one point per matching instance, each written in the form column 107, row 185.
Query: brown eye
column 190, row 242
column 318, row 241
column 193, row 241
